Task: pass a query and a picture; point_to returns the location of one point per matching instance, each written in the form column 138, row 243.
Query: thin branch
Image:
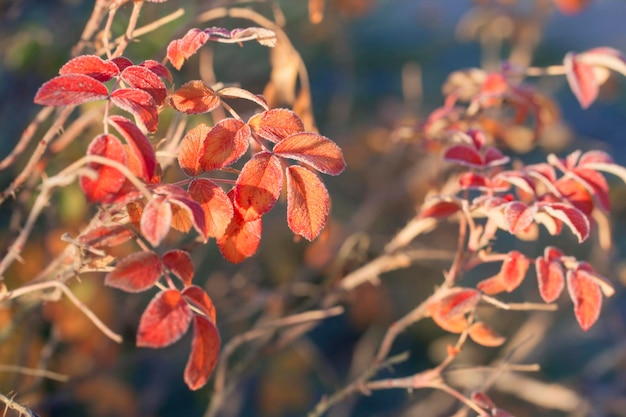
column 40, row 373
column 132, row 23
column 69, row 294
column 518, row 306
column 26, row 136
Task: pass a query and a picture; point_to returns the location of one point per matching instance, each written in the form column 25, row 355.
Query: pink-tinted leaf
column 581, row 79
column 138, row 103
column 156, row 220
column 493, row 157
column 315, row 150
column 106, row 236
column 195, row 97
column 482, row 400
column 594, row 157
column 181, row 49
column 241, row 239
column 122, row 63
column 179, row 263
column 92, row 66
column 142, row 78
column 70, row 90
column 550, row 278
column 463, row 154
column 165, row 320
column 108, row 180
column 259, row 185
column 441, row 209
column 514, row 270
column 189, row 154
column 139, row 143
column 276, row 124
column 205, row 349
column 586, row 295
column 201, row 299
column 552, row 254
column 574, row 192
column 236, row 92
column 308, row 202
column 217, row 207
column 572, row 217
column 595, row 183
column 605, row 285
column 157, row 68
column 518, row 216
column 136, row 272
column 224, row 144
column 473, row 180
column 484, row 335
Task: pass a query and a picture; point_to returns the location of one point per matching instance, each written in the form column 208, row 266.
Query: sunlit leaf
column 139, row 143
column 180, row 264
column 199, row 298
column 156, row 220
column 463, row 154
column 70, row 90
column 108, row 180
column 308, row 202
column 144, row 79
column 586, row 295
column 224, row 144
column 572, row 217
column 514, row 270
column 205, row 348
column 189, row 154
column 581, row 79
column 92, row 66
column 259, row 185
column 136, row 272
column 484, row 335
column 181, row 49
column 315, row 150
column 157, row 68
column 441, row 209
column 551, row 279
column 236, row 92
column 276, row 124
column 165, row 320
column 195, row 97
column 518, row 216
column 241, row 239
column 217, row 207
column 138, row 103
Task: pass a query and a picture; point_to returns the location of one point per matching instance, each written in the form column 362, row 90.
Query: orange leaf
column 449, row 312
column 485, row 335
column 217, row 207
column 180, row 49
column 140, row 104
column 195, row 97
column 491, row 286
column 313, row 149
column 276, row 124
column 224, row 144
column 156, row 220
column 201, row 300
column 241, row 239
column 136, row 272
column 259, row 185
column 550, row 278
column 179, row 263
column 190, row 150
column 109, row 180
column 308, row 202
column 165, row 320
column 586, row 295
column 205, row 349
column 514, row 270
column 144, row 79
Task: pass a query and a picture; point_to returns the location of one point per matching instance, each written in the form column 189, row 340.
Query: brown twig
column 26, row 137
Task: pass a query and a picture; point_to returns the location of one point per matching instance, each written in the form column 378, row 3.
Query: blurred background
column 376, row 70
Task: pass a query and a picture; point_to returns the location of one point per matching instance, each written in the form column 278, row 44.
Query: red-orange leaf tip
column 308, row 202
column 165, row 320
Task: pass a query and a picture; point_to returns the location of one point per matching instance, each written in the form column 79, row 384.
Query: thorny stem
column 37, row 154
column 79, row 304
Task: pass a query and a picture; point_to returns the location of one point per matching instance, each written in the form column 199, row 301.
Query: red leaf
column 189, row 154
column 484, row 335
column 156, row 220
column 493, row 285
column 276, row 124
column 181, row 49
column 142, row 78
column 441, row 209
column 139, row 143
column 187, row 213
column 236, row 92
column 572, row 217
column 514, row 270
column 550, row 278
column 217, row 207
column 121, row 62
column 136, row 272
column 593, row 157
column 449, row 312
column 493, row 157
column 106, row 236
column 581, row 79
column 92, row 66
column 463, row 154
column 241, row 239
column 576, row 193
column 157, row 68
column 179, row 263
column 140, row 104
column 482, row 400
column 201, row 299
column 109, row 180
column 70, row 90
column 586, row 295
column 308, row 202
column 165, row 320
column 224, row 144
column 205, row 349
column 518, row 216
column 473, row 180
column 195, row 97
column 315, row 150
column 259, row 185
column 596, row 184
column 552, row 254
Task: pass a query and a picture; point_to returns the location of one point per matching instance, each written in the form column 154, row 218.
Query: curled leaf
column 205, row 348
